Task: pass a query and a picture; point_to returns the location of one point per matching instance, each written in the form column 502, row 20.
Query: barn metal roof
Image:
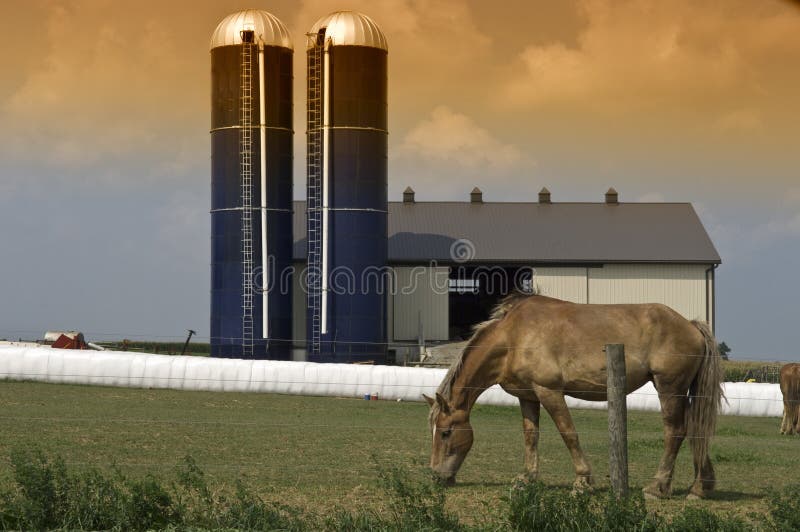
column 547, row 233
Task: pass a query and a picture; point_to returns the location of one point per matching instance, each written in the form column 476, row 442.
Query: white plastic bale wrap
column 115, row 368
column 753, row 399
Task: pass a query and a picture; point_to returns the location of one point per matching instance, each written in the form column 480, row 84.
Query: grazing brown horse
column 790, row 388
column 540, row 349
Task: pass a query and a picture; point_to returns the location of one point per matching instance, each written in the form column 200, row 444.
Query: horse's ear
column 428, row 400
column 444, row 406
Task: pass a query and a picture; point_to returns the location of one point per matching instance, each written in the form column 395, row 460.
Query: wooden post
column 617, row 420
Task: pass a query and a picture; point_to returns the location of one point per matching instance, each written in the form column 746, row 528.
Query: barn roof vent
column 612, row 198
column 544, row 195
column 476, row 196
column 408, row 195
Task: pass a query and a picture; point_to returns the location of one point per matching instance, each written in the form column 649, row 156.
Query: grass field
column 320, row 452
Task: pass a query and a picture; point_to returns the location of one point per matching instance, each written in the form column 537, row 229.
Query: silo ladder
column 314, row 194
column 246, row 147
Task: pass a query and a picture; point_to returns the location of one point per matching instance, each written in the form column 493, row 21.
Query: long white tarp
column 142, row 370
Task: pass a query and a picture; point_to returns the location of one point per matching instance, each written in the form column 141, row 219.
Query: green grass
column 319, row 452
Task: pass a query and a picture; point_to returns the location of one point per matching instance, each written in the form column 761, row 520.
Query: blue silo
column 347, row 189
column 251, row 187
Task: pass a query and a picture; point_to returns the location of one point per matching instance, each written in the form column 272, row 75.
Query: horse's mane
column 498, row 313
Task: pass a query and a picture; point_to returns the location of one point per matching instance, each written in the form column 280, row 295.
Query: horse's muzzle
column 444, row 480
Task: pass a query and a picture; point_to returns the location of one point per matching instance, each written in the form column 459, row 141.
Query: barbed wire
column 345, row 354
column 58, row 379
column 300, row 344
column 355, row 432
column 644, row 478
column 371, row 428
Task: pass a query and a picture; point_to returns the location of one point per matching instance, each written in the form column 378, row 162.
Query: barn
column 449, row 262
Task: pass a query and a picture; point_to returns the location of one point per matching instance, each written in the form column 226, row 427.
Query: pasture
column 322, row 453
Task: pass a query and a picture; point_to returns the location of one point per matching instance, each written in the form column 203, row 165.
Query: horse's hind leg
column 704, row 479
column 673, row 411
column 556, row 406
column 791, row 422
column 530, row 429
column 787, row 421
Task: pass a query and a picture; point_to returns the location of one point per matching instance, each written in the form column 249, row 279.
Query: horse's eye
column 446, row 433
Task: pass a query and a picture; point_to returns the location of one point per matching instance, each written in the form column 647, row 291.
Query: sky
column 105, row 151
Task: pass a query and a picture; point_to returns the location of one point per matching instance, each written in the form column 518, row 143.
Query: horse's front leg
column 530, row 430
column 556, row 406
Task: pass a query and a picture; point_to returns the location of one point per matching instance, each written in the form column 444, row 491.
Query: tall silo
column 347, row 189
column 251, row 186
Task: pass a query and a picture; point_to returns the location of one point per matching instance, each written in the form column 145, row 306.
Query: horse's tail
column 793, row 396
column 705, row 397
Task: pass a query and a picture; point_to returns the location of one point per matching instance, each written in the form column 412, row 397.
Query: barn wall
column 679, row 286
column 420, row 290
column 566, row 283
column 711, row 300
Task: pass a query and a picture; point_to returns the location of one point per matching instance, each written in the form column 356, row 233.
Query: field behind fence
column 323, row 452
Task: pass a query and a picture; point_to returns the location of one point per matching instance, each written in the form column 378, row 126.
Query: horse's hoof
column 693, row 497
column 654, row 491
column 582, row 485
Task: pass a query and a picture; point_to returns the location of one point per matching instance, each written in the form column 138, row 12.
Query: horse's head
column 452, row 438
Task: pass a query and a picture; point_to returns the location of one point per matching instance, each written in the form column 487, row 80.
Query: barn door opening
column 475, row 290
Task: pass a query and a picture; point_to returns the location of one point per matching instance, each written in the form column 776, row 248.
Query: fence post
column 617, row 420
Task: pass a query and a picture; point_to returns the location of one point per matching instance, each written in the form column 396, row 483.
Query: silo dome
column 266, row 26
column 349, row 28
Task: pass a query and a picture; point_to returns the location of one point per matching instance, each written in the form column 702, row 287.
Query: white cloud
column 448, row 136
column 783, row 226
column 651, row 197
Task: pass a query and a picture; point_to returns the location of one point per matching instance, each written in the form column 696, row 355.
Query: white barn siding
column 679, row 286
column 567, row 283
column 420, row 292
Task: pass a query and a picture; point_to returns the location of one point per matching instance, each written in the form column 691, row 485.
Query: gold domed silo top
column 266, row 27
column 350, row 28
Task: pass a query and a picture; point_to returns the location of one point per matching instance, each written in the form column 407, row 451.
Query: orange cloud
column 647, row 54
